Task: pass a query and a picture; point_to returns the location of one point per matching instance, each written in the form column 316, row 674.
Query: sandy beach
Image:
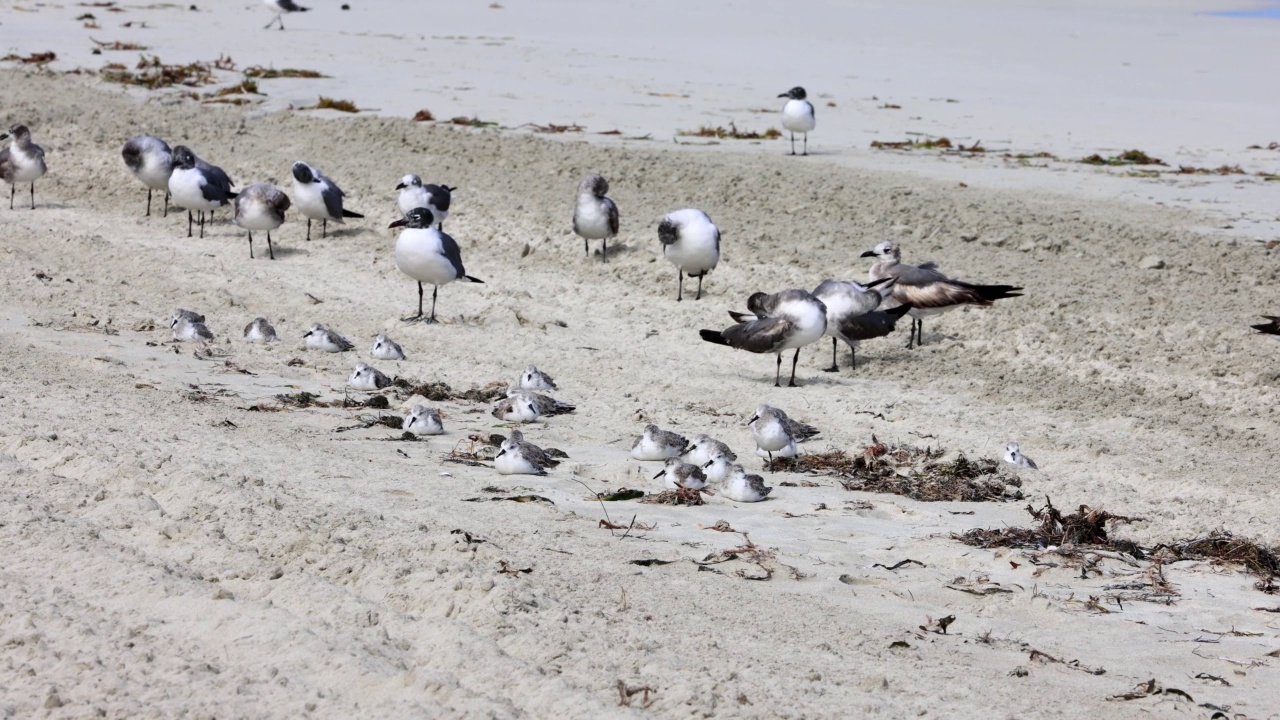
column 181, row 543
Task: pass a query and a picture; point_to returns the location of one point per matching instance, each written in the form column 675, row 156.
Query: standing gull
column 927, row 290
column 797, row 116
column 197, row 185
column 852, row 314
column 774, row 431
column 318, row 198
column 658, row 444
column 784, row 320
column 692, row 243
column 261, row 207
column 21, row 162
column 384, row 348
column 595, row 217
column 151, row 161
column 427, row 255
column 414, row 194
column 281, row 8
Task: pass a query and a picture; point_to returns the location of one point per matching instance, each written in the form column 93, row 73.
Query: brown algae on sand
column 731, row 133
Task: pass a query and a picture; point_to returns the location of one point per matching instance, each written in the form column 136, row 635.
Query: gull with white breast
column 852, row 315
column 692, row 243
column 282, row 8
column 21, row 162
column 415, row 194
column 427, row 255
column 785, row 320
column 595, row 216
column 150, row 159
column 196, row 185
column 261, row 207
column 798, row 116
column 318, row 198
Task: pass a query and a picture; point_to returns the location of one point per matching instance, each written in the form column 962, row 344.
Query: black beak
column 785, row 95
column 664, row 472
column 307, row 334
column 874, row 283
column 709, row 463
column 399, row 223
column 869, row 253
column 401, row 186
column 753, row 419
column 4, row 136
column 500, row 453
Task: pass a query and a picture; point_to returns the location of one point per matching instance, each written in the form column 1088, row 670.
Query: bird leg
column 166, row 203
column 699, row 295
column 202, row 224
column 793, row 143
column 911, row 334
column 920, row 332
column 413, row 318
column 435, row 290
column 148, row 203
column 604, row 250
column 777, row 375
column 270, row 251
column 679, row 285
column 586, row 247
column 33, row 195
column 308, row 229
column 795, row 359
column 250, row 244
column 12, row 189
column 324, row 228
column 806, row 144
column 188, row 223
column 835, row 366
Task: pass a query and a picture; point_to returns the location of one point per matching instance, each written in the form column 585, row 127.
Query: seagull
column 1013, row 455
column 320, row 337
column 692, row 243
column 261, row 207
column 927, row 290
column 260, row 331
column 422, row 420
column 384, row 348
column 595, row 217
column 784, row 320
column 151, row 161
column 740, row 486
column 680, row 474
column 1272, row 327
column 197, row 185
column 518, row 457
column 21, row 162
column 318, row 198
column 534, row 379
column 703, row 448
column 426, row 254
column 774, row 431
column 413, row 194
column 852, row 314
column 797, row 116
column 281, row 8
column 657, row 444
column 368, row 378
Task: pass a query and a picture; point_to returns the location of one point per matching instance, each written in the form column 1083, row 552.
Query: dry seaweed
column 1086, row 526
column 257, row 71
column 1128, row 157
column 1223, row 547
column 153, row 74
column 553, row 129
column 1220, row 170
column 305, row 399
column 941, row 143
column 41, row 58
column 328, row 103
column 395, row 422
column 247, row 87
column 679, row 496
column 732, row 132
column 471, row 122
column 117, row 45
column 440, row 391
column 423, row 115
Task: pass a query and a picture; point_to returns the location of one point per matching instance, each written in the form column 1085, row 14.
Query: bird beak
column 399, row 223
column 785, row 95
column 500, row 453
column 664, row 472
column 401, row 186
column 869, row 253
column 306, row 334
column 709, row 463
column 753, row 419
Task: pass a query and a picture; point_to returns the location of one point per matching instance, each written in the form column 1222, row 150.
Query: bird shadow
column 284, row 250
column 337, row 233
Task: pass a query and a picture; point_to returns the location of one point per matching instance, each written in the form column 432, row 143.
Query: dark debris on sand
column 440, row 391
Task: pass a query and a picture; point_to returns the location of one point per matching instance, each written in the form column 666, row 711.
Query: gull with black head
column 261, row 207
column 198, row 186
column 282, row 8
column 798, row 116
column 415, row 194
column 427, row 255
column 150, row 159
column 318, row 198
column 595, row 216
column 852, row 315
column 692, row 243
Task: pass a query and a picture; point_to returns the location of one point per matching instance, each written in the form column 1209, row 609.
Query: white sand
column 170, row 553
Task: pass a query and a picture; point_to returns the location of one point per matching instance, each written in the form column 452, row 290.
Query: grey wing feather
column 871, row 325
column 332, row 197
column 6, row 168
column 613, row 216
column 759, row 336
column 453, row 253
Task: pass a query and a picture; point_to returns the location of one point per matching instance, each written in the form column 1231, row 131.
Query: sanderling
column 422, row 420
column 281, row 8
column 196, row 185
column 1271, row 327
column 718, row 467
column 798, row 116
column 260, row 331
column 518, row 457
column 320, row 337
column 740, row 486
column 185, row 328
column 784, row 320
column 516, row 408
column 680, row 474
column 656, row 444
column 595, row 217
column 775, row 433
column 21, row 162
column 703, row 447
column 318, row 198
column 414, row 194
column 181, row 315
column 151, row 161
column 927, row 290
column 546, row 405
column 261, row 207
column 692, row 243
column 1013, row 455
column 852, row 314
column 534, row 379
column 367, row 378
column 384, row 348
column 426, row 254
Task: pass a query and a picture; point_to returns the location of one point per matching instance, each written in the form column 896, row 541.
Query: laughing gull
column 281, row 8
column 774, row 432
column 692, row 243
column 797, row 116
column 318, row 198
column 852, row 314
column 739, row 486
column 21, row 162
column 784, row 320
column 1271, row 327
column 595, row 217
column 927, row 290
column 427, row 255
column 414, row 194
column 151, row 161
column 261, row 207
column 197, row 185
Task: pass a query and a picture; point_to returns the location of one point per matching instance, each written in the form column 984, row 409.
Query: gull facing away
column 423, row 420
column 927, row 290
column 680, row 474
column 414, row 194
column 692, row 243
column 151, row 161
column 774, row 432
column 534, row 379
column 658, row 444
column 260, row 331
column 798, row 116
column 427, row 255
column 320, row 337
column 281, row 8
column 21, row 162
column 1013, row 455
column 1271, row 327
column 261, row 207
column 318, row 198
column 197, row 185
column 785, row 320
column 852, row 314
column 740, row 486
column 595, row 217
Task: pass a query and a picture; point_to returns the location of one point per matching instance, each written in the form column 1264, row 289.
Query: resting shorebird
column 595, row 217
column 784, row 320
column 797, row 116
column 692, row 243
column 774, row 432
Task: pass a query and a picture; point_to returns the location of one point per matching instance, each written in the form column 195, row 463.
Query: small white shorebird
column 680, row 474
column 1013, row 455
column 318, row 198
column 519, row 408
column 516, row 456
column 702, row 448
column 927, row 290
column 774, row 432
column 320, row 337
column 717, row 469
column 261, row 207
column 741, row 486
column 427, row 255
column 151, row 161
column 785, row 320
column 282, row 8
column 198, row 186
column 595, row 217
column 414, row 194
column 21, row 162
column 852, row 314
column 186, row 327
column 798, row 116
column 384, row 348
column 422, row 420
column 545, row 405
column 692, row 243
column 658, row 444
column 260, row 331
column 367, row 378
column 534, row 379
